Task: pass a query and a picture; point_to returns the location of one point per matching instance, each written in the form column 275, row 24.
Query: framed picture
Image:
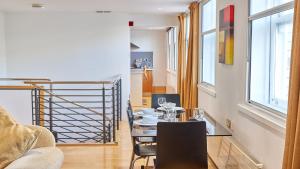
column 226, row 35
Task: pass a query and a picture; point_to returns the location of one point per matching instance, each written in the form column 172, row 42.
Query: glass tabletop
column 213, row 129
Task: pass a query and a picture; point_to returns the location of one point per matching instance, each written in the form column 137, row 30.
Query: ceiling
column 126, row 6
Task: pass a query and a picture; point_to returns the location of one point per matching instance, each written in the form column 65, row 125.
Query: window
column 172, row 49
column 208, row 33
column 271, row 25
column 187, row 35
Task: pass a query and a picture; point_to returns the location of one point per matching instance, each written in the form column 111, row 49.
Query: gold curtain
column 181, row 56
column 292, row 142
column 190, row 100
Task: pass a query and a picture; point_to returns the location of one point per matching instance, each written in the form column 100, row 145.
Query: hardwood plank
column 100, row 157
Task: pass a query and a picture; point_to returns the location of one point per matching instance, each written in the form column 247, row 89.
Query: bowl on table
column 150, row 119
column 169, row 105
column 148, row 111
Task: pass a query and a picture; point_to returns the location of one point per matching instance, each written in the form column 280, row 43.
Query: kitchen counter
column 141, row 81
column 138, row 69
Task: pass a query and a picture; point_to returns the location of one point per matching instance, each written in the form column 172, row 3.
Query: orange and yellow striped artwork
column 226, row 35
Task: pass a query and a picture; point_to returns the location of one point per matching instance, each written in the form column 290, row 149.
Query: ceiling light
column 103, row 11
column 38, row 6
column 160, row 9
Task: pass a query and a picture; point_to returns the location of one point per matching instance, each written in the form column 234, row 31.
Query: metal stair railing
column 65, row 118
column 77, row 111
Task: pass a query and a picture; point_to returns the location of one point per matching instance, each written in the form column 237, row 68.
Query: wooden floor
column 102, row 157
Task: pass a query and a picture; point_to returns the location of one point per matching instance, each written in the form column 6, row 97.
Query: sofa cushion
column 40, row 158
column 16, row 139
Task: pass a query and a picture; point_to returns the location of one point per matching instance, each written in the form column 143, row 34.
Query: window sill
column 207, row 89
column 263, row 116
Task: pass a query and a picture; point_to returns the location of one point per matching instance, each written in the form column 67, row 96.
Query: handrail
column 20, row 86
column 17, row 87
column 68, row 82
column 24, row 79
column 32, row 81
column 113, row 80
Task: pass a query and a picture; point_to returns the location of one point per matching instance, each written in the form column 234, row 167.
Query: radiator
column 227, row 154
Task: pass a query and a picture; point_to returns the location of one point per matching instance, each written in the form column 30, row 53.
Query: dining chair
column 174, row 98
column 143, row 140
column 181, row 145
column 141, row 149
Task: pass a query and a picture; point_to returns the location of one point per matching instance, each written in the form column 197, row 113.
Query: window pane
column 208, row 62
column 260, row 55
column 176, row 49
column 209, row 16
column 261, row 5
column 187, row 27
column 187, row 36
column 270, row 60
column 172, row 53
column 169, row 37
column 282, row 27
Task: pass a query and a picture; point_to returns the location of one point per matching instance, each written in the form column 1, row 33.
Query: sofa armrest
column 46, row 138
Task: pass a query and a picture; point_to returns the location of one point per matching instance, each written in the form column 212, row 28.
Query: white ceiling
column 128, row 6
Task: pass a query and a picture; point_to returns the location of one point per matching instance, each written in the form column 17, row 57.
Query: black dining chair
column 174, row 98
column 181, row 145
column 143, row 140
column 141, row 149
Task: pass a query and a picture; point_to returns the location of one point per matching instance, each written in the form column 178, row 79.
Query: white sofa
column 44, row 154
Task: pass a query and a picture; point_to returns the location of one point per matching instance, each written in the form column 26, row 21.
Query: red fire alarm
column 131, row 23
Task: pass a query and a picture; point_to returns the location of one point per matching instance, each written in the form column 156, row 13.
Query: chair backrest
column 174, row 98
column 130, row 116
column 181, row 144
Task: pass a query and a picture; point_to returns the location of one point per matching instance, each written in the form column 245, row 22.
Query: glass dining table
column 213, row 128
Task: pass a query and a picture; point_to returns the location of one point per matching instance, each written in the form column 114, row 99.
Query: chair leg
column 131, row 161
column 147, row 161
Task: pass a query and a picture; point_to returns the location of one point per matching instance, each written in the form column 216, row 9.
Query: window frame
column 172, row 60
column 268, row 12
column 203, row 33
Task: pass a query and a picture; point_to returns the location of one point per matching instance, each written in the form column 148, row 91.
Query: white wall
column 153, row 41
column 2, row 46
column 143, row 21
column 261, row 141
column 18, row 104
column 68, row 46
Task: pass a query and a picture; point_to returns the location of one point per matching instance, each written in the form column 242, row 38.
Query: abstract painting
column 226, row 35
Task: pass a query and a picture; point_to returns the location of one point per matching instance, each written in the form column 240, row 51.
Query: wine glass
column 161, row 101
column 171, row 115
column 199, row 113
